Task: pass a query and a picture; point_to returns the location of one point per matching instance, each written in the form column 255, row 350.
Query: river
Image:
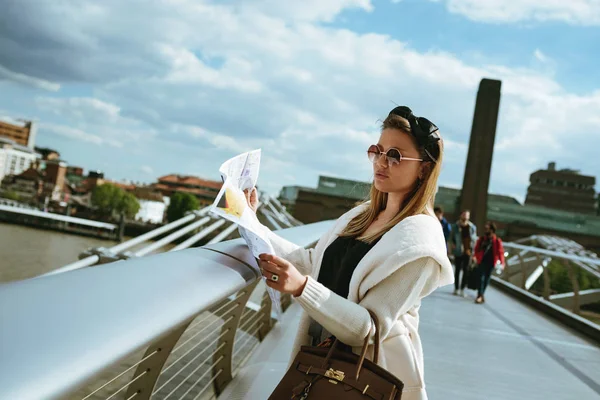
column 26, row 252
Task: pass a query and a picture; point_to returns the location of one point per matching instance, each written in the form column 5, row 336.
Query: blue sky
column 141, row 89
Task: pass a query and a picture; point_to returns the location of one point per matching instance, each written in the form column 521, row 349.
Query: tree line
column 111, row 201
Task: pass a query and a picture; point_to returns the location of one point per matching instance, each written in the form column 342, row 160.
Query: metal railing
column 527, row 263
column 168, row 326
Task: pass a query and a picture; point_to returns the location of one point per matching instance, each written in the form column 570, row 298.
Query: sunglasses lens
column 393, row 156
column 373, row 153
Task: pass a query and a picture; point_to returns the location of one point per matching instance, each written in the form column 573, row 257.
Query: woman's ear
column 425, row 170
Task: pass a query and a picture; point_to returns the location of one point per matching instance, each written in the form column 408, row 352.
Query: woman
column 384, row 255
column 489, row 252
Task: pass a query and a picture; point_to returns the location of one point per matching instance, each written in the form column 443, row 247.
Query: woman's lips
column 379, row 175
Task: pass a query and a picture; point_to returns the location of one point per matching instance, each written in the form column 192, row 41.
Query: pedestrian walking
column 489, row 254
column 446, row 227
column 462, row 244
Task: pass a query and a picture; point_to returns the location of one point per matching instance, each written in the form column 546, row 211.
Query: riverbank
column 57, row 222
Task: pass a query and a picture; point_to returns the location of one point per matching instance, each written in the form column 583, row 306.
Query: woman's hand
column 287, row 278
column 252, row 199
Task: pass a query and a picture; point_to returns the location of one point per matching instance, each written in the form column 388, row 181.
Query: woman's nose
column 382, row 161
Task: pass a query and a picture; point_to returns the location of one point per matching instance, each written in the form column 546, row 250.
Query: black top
column 339, row 262
column 488, row 255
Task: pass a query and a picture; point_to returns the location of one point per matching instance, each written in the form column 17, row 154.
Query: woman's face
column 401, row 177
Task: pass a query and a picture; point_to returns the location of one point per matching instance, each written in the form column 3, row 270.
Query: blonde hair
column 419, row 201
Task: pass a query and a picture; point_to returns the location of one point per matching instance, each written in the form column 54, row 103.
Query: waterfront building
column 19, row 131
column 329, row 200
column 205, row 190
column 15, row 158
column 564, row 189
column 47, row 153
column 54, row 180
column 39, row 185
column 333, row 197
column 153, row 205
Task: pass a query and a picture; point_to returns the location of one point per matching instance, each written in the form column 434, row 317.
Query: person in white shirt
column 384, row 255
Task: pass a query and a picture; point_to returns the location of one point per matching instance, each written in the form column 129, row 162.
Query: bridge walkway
column 500, row 350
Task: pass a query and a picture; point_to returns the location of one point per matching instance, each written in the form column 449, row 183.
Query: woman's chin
column 381, row 186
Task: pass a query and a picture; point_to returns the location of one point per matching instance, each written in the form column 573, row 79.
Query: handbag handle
column 363, row 353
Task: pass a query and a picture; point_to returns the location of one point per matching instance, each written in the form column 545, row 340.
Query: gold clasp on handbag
column 335, row 375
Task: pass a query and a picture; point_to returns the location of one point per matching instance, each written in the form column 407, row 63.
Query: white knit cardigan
column 407, row 264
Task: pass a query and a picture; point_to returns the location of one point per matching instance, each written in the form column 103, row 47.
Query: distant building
column 333, row 197
column 329, row 200
column 48, row 154
column 15, row 158
column 37, row 185
column 153, row 205
column 28, row 185
column 563, row 189
column 516, row 221
column 73, row 170
column 205, row 190
column 54, row 179
column 19, row 131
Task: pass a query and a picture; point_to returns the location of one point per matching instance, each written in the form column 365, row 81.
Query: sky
column 144, row 88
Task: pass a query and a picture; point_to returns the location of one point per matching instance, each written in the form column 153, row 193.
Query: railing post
column 286, row 301
column 546, row 281
column 574, row 284
column 523, row 274
column 143, row 386
column 223, row 359
column 265, row 320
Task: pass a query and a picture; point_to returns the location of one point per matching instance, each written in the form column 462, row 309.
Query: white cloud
column 308, row 10
column 78, row 134
column 541, row 57
column 93, row 121
column 576, row 12
column 188, row 69
column 147, row 169
column 6, row 74
column 212, row 79
column 85, row 108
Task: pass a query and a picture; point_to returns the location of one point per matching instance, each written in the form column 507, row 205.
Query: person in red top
column 489, row 252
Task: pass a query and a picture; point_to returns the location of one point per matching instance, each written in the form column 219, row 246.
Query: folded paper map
column 241, row 173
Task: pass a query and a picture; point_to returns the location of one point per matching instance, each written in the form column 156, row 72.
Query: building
column 48, row 154
column 28, row 185
column 153, row 205
column 516, row 221
column 15, row 158
column 75, row 171
column 329, row 200
column 20, row 131
column 38, row 185
column 563, row 189
column 54, row 180
column 205, row 190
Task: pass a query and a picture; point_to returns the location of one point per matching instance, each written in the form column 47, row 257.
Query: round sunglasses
column 393, row 155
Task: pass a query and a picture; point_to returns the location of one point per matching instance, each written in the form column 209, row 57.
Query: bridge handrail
column 553, row 253
column 59, row 331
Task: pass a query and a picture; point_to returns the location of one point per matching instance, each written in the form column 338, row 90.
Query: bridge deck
column 496, row 351
column 501, row 350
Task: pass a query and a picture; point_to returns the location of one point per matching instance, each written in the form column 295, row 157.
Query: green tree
column 180, row 204
column 128, row 205
column 107, row 198
column 11, row 195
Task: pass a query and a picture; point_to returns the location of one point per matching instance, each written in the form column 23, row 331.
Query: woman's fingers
column 269, row 266
column 280, row 262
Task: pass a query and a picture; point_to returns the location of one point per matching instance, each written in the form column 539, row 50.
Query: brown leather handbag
column 321, row 373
